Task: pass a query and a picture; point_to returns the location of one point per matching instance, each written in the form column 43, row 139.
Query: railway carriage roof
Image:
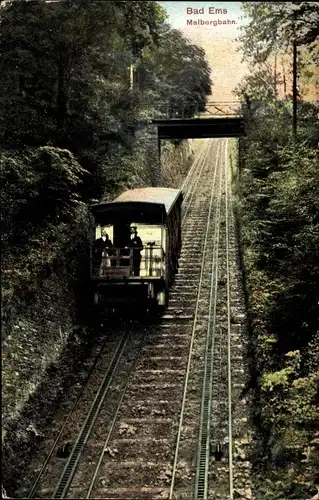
column 145, row 204
column 164, row 196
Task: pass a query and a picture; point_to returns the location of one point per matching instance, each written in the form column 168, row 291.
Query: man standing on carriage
column 137, row 245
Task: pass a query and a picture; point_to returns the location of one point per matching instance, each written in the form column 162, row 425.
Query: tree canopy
column 274, row 25
column 65, row 79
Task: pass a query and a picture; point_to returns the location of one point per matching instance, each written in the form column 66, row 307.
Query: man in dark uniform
column 100, row 250
column 137, row 245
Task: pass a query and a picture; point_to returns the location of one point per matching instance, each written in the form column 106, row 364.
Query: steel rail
column 190, row 178
column 229, row 374
column 70, row 467
column 205, row 244
column 47, row 460
column 205, row 418
column 191, row 191
column 189, row 197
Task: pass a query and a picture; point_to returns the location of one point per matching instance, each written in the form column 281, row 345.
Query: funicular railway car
column 138, row 261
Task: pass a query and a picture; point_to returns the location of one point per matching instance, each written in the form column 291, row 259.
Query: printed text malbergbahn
column 205, row 22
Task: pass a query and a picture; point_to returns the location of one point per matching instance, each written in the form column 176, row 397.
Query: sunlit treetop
column 276, row 25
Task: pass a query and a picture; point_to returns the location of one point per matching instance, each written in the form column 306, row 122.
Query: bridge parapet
column 167, row 110
column 226, row 108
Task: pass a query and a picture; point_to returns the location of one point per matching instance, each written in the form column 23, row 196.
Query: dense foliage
column 70, row 112
column 178, row 73
column 278, row 24
column 279, row 208
column 65, row 76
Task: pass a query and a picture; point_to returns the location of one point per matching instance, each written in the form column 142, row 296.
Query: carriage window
column 149, row 234
column 153, row 238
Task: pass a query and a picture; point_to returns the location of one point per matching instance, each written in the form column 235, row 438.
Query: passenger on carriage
column 102, row 252
column 137, row 245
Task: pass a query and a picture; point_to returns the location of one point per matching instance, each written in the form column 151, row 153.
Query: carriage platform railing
column 122, row 262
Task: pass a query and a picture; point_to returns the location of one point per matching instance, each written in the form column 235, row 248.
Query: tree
column 39, row 187
column 275, row 25
column 279, row 216
column 64, row 78
column 177, row 74
column 69, row 62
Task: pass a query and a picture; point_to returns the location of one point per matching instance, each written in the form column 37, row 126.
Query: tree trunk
column 62, row 99
column 294, row 90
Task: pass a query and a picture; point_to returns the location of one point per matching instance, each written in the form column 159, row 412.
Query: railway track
column 167, row 418
column 68, row 422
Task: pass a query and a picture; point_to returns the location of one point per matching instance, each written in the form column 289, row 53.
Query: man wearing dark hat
column 137, row 245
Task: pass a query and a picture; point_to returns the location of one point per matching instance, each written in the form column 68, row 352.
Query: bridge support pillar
column 159, row 163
